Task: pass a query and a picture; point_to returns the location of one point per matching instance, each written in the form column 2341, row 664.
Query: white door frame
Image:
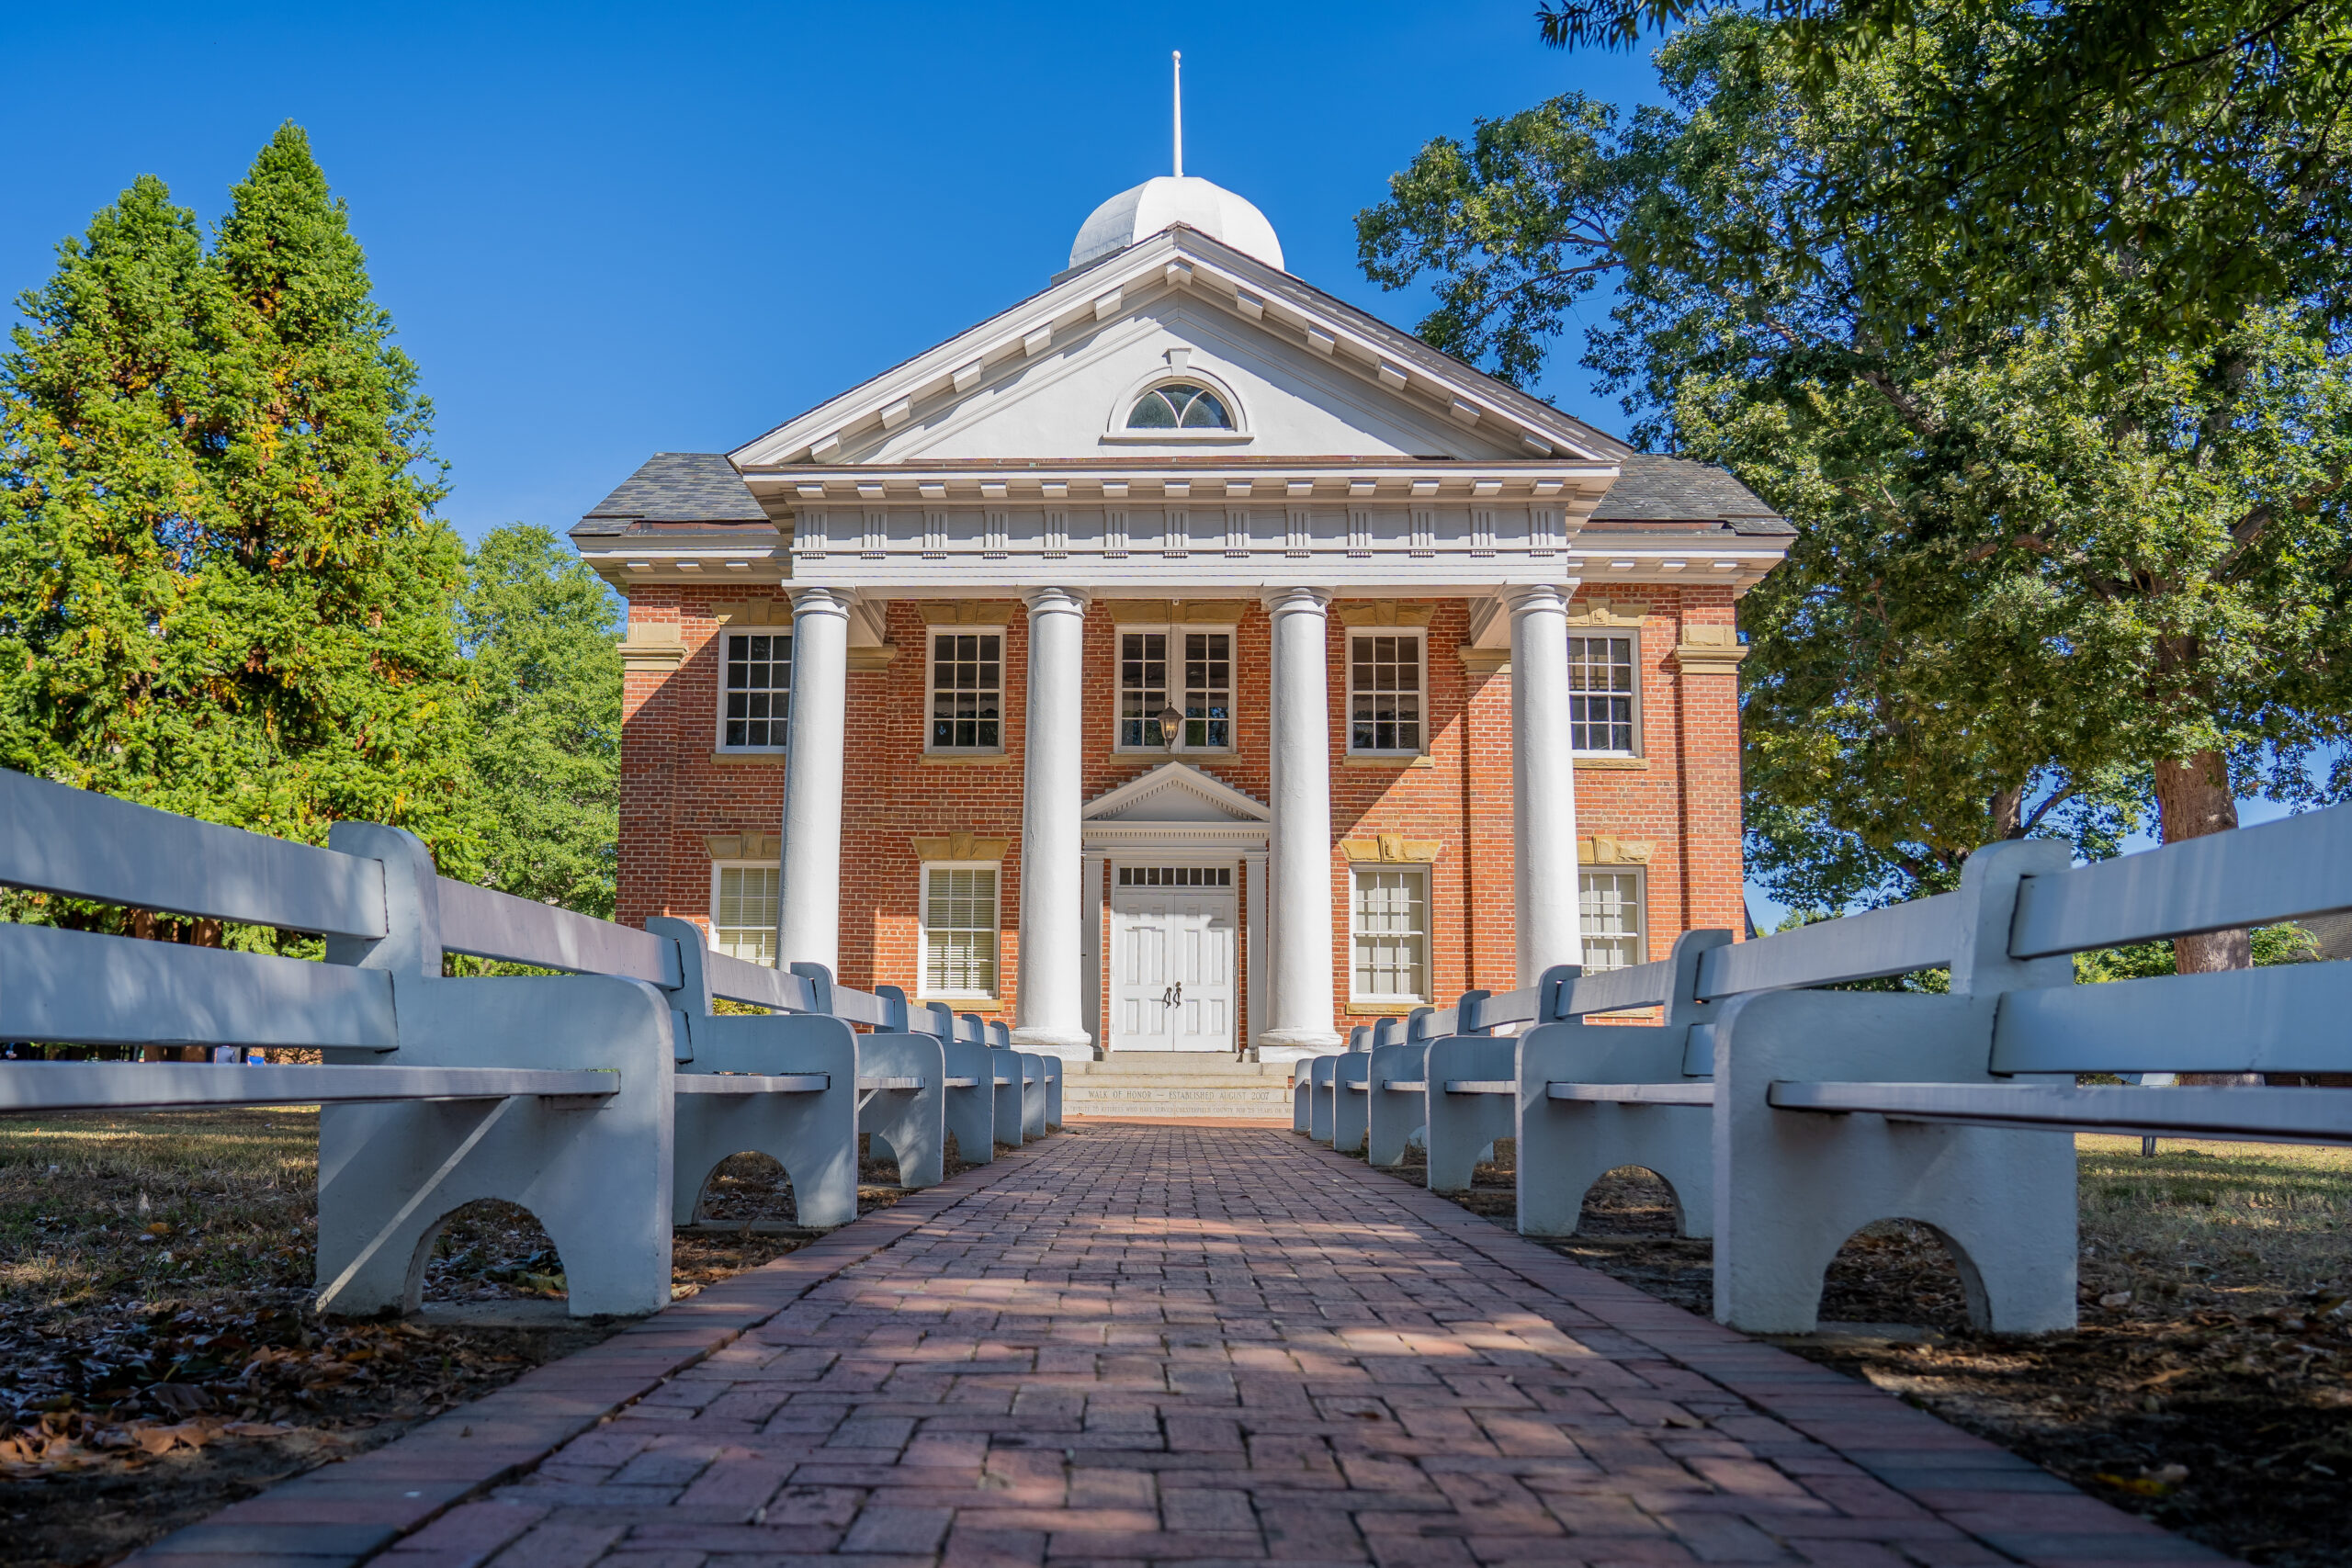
column 1242, row 1018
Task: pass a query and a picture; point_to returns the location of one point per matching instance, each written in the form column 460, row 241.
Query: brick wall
column 1680, row 797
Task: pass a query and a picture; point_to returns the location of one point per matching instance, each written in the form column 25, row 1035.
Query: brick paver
column 1207, row 1345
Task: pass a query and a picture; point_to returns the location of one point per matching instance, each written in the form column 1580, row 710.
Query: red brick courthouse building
column 1182, row 660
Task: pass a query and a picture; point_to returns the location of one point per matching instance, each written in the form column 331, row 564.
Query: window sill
column 1177, row 437
column 962, row 760
column 961, row 1004
column 1355, row 760
column 775, row 754
column 1633, row 763
column 1386, row 1008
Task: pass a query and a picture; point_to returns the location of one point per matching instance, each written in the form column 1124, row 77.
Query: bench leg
column 913, row 1121
column 1565, row 1145
column 813, row 1136
column 1791, row 1186
column 1349, row 1113
column 594, row 1172
column 1462, row 1127
column 1392, row 1117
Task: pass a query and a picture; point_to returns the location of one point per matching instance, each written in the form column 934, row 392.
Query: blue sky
column 606, row 231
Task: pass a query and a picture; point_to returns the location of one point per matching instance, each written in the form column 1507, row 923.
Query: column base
column 1298, row 1044
column 1069, row 1045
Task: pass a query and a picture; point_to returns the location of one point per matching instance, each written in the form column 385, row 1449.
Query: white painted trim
column 922, row 929
column 1640, row 740
column 1429, row 939
column 1172, row 630
column 1421, row 636
column 1115, row 427
column 1641, row 906
column 718, row 868
column 718, row 725
column 931, row 691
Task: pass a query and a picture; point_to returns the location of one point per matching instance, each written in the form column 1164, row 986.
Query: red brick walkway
column 1198, row 1346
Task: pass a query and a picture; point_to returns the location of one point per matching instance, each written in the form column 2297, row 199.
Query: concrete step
column 1174, row 1083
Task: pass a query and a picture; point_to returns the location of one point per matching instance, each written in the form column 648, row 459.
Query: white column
column 1052, row 896
column 1299, row 877
column 809, row 907
column 1089, row 985
column 1544, row 783
column 1254, row 869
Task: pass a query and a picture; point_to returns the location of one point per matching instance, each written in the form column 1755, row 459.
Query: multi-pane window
column 959, row 930
column 966, row 692
column 1608, row 914
column 1156, row 667
column 1600, row 694
column 743, row 912
column 1385, row 691
column 755, row 690
column 1389, row 934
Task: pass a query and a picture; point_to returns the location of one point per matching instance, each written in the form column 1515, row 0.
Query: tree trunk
column 2007, row 809
column 2193, row 798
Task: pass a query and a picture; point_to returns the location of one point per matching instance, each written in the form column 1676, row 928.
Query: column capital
column 1057, row 601
column 821, row 601
column 1536, row 596
column 1293, row 601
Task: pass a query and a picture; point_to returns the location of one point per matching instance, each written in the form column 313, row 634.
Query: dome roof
column 1139, row 214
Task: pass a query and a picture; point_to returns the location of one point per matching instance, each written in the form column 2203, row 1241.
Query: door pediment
column 1175, row 792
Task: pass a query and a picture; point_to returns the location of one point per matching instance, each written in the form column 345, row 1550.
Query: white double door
column 1172, row 968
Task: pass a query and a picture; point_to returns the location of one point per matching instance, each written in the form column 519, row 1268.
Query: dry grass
column 98, row 1208
column 2209, row 1386
column 159, row 1353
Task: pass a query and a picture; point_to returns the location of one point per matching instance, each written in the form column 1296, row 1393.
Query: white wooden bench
column 600, row 1100
column 1839, row 1109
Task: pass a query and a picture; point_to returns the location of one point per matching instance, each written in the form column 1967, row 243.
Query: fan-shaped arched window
column 1180, row 405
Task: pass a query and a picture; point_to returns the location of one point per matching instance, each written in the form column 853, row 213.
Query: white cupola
column 1169, row 199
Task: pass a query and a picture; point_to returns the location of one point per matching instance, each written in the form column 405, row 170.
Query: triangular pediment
column 1174, row 792
column 1050, row 378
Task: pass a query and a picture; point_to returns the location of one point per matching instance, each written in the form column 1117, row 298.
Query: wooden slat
column 2294, row 1115
column 490, row 924
column 1634, row 1093
column 752, row 1083
column 2285, row 1018
column 1636, row 986
column 81, row 988
column 74, row 842
column 2279, row 871
column 28, row 1087
column 1894, row 941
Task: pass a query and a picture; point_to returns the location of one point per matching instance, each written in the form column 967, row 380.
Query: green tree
column 542, row 632
column 2043, row 561
column 2196, row 151
column 223, row 588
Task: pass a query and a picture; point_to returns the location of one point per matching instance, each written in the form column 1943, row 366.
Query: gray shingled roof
column 675, row 487
column 1651, row 489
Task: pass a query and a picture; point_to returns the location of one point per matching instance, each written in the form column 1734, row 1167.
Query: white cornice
column 1179, row 258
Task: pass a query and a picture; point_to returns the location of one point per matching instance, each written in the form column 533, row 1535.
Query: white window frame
column 1357, row 998
column 1641, row 908
column 1635, row 637
column 785, row 692
column 923, row 930
column 718, row 870
column 931, row 688
column 1421, row 637
column 1175, row 633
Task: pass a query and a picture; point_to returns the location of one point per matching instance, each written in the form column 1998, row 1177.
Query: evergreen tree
column 222, row 589
column 542, row 632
